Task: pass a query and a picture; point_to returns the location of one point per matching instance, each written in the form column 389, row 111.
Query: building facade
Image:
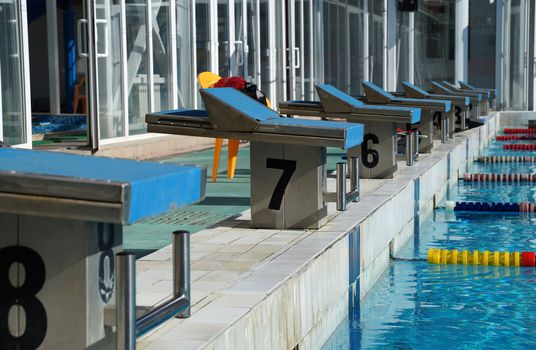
column 130, row 57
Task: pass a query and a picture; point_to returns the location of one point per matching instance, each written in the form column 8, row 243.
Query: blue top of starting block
column 415, row 87
column 240, row 101
column 353, row 131
column 378, row 89
column 332, row 90
column 155, row 188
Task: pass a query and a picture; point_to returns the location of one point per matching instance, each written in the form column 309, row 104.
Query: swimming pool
column 416, row 305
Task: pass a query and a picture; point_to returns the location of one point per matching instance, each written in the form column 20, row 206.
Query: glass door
column 515, row 55
column 296, row 50
column 102, row 51
column 15, row 119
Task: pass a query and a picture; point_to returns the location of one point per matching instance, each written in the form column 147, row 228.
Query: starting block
column 470, row 88
column 378, row 150
column 376, row 95
column 476, row 99
column 62, row 220
column 288, row 156
column 458, row 115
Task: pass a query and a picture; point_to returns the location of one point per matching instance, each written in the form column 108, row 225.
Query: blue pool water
column 416, row 305
column 49, row 123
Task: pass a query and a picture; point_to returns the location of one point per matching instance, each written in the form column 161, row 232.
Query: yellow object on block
column 206, row 80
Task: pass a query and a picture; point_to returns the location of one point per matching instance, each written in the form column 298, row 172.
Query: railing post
column 354, row 176
column 341, row 186
column 126, row 301
column 181, row 268
column 409, row 148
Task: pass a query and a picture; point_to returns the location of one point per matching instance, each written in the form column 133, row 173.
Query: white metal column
column 53, row 57
column 310, row 94
column 213, row 23
column 411, row 51
column 150, row 58
column 272, row 55
column 499, row 57
column 124, row 67
column 1, row 112
column 257, row 33
column 173, row 61
column 193, row 77
column 231, row 43
column 26, row 96
column 366, row 54
column 525, row 59
column 461, row 40
column 390, row 62
column 385, row 42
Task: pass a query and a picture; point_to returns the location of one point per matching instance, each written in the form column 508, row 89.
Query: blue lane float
column 524, row 207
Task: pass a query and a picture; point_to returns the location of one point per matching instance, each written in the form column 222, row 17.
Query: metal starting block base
column 62, row 220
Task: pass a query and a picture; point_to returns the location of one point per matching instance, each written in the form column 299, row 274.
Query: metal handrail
column 128, row 327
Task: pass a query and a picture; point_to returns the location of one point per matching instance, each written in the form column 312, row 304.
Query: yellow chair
column 206, row 80
column 79, row 96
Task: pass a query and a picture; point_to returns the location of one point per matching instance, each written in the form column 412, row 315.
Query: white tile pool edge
column 297, row 308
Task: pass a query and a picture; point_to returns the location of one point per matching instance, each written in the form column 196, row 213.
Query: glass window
column 138, row 99
column 108, row 50
column 223, row 38
column 376, row 42
column 161, row 60
column 184, row 54
column 202, row 35
column 343, row 44
column 402, row 48
column 481, row 65
column 434, row 42
column 11, row 99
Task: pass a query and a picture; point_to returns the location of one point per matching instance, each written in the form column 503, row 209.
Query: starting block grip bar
column 126, row 301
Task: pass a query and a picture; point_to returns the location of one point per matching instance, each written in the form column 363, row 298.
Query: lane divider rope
column 478, row 177
column 515, row 137
column 506, row 159
column 520, row 130
column 486, row 258
column 523, row 207
column 519, row 147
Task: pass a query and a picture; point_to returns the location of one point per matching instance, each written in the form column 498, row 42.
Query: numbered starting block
column 378, row 151
column 288, row 156
column 470, row 88
column 61, row 219
column 457, row 116
column 424, row 142
column 476, row 99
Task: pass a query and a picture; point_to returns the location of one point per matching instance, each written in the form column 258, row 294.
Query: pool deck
column 258, row 288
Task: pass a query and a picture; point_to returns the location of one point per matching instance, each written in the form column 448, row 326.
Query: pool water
column 416, row 305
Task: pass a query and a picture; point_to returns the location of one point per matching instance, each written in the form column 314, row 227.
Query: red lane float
column 520, row 130
column 506, row 159
column 477, row 177
column 515, row 137
column 528, row 259
column 520, row 147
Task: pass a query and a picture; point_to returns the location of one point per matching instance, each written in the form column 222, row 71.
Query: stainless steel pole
column 126, row 301
column 341, row 186
column 409, row 148
column 354, row 176
column 181, row 268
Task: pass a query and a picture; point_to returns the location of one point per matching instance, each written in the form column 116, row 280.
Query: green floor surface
column 224, row 199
